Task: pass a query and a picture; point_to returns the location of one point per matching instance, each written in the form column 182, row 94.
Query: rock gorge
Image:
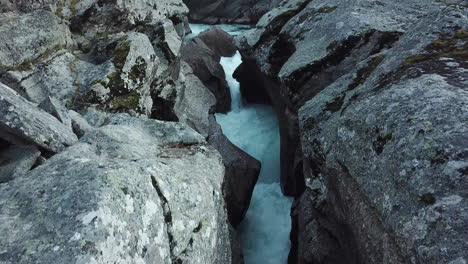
column 371, row 98
column 110, row 151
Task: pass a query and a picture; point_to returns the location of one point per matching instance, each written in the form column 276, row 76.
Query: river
column 254, row 128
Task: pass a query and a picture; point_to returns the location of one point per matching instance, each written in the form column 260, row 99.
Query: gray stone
column 219, row 41
column 16, row 161
column 116, row 76
column 194, row 106
column 382, row 107
column 228, row 12
column 390, row 171
column 55, row 108
column 22, row 122
column 93, row 16
column 128, row 87
column 242, row 172
column 206, row 66
column 194, row 103
column 61, row 75
column 286, row 48
column 79, row 124
column 133, row 191
column 31, row 36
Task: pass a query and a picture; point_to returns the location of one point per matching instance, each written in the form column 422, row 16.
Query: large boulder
column 194, row 103
column 116, row 75
column 93, row 16
column 55, row 108
column 219, row 41
column 27, row 38
column 242, row 171
column 22, row 122
column 228, row 11
column 206, row 66
column 133, row 191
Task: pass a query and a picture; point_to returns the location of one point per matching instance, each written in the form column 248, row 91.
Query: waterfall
column 254, row 128
column 230, row 64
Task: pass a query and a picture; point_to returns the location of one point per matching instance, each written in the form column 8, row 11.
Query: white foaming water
column 230, row 65
column 254, row 128
column 231, row 29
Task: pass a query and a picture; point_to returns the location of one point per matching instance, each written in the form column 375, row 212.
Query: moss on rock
column 443, row 47
column 120, row 55
column 126, row 102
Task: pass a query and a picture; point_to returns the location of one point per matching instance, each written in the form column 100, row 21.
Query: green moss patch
column 126, row 102
column 27, row 65
column 138, row 71
column 326, row 9
column 116, row 84
column 73, row 6
column 120, row 54
column 444, row 47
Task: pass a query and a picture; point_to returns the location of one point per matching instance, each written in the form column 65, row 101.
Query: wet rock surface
column 195, row 107
column 373, row 109
column 219, row 41
column 205, row 63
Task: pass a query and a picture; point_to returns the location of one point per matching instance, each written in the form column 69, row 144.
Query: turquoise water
column 254, row 128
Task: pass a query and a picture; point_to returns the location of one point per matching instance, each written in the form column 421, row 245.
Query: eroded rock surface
column 26, row 38
column 24, row 123
column 205, row 63
column 228, row 12
column 132, row 191
column 195, row 107
column 379, row 105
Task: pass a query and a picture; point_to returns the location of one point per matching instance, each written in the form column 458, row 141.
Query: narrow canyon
column 234, row 131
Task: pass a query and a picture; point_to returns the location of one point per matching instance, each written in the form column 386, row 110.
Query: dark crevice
column 379, row 144
column 336, row 104
column 4, row 145
column 280, row 53
column 167, row 217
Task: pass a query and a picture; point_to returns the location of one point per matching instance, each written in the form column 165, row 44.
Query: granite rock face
column 205, row 63
column 133, row 190
column 22, row 122
column 130, row 189
column 228, row 12
column 374, row 112
column 303, row 46
column 27, row 38
column 16, row 161
column 55, row 108
column 114, row 55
